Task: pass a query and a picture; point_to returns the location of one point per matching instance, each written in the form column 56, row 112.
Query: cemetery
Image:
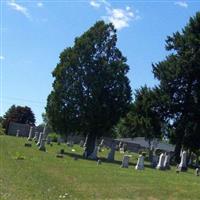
column 98, row 131
column 61, row 172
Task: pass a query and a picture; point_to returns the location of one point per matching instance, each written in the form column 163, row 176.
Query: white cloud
column 120, row 18
column 19, row 8
column 95, row 4
column 2, row 57
column 181, row 4
column 40, row 4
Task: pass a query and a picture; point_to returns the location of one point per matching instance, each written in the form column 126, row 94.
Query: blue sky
column 34, row 33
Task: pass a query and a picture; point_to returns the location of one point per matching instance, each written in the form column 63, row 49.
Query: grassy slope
column 42, row 176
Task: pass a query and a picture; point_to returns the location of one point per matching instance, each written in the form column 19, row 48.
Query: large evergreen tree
column 91, row 90
column 179, row 76
column 143, row 119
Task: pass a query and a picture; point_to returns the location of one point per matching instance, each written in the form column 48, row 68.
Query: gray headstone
column 197, row 172
column 125, row 161
column 30, row 134
column 94, row 153
column 42, row 145
column 17, row 134
column 155, row 160
column 111, row 154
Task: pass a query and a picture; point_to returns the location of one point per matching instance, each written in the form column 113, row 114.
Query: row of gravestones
column 39, row 138
column 162, row 162
column 42, row 138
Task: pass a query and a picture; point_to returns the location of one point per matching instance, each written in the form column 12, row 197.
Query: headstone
column 125, row 147
column 40, row 139
column 183, row 164
column 30, row 134
column 48, row 140
column 197, row 172
column 99, row 162
column 125, row 161
column 161, row 162
column 70, row 143
column 94, row 153
column 140, row 163
column 81, row 143
column 17, row 134
column 101, row 145
column 59, row 141
column 42, row 145
column 111, row 154
column 36, row 137
column 120, row 144
column 155, row 161
column 167, row 161
column 44, row 132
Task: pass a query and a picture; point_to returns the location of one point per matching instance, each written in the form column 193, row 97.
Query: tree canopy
column 91, row 90
column 18, row 114
column 143, row 119
column 179, row 76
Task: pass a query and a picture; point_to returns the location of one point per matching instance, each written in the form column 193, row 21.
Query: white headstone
column 44, row 132
column 183, row 164
column 161, row 162
column 40, row 139
column 17, row 134
column 36, row 137
column 125, row 161
column 166, row 162
column 42, row 145
column 140, row 163
column 30, row 134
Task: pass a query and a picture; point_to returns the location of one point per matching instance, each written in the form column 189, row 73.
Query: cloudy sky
column 33, row 34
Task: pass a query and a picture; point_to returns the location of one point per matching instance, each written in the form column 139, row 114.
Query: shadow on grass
column 104, row 160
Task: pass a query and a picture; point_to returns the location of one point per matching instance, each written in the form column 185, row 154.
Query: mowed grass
column 42, row 176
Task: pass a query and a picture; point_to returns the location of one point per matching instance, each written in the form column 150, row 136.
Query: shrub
column 2, row 131
column 53, row 136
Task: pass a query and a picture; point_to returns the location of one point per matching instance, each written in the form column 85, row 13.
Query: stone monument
column 140, row 163
column 30, row 134
column 183, row 164
column 161, row 162
column 125, row 161
column 111, row 154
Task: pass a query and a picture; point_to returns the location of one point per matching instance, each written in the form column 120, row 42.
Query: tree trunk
column 177, row 152
column 189, row 157
column 89, row 145
column 197, row 161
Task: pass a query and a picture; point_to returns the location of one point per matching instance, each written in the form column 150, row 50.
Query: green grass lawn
column 42, row 176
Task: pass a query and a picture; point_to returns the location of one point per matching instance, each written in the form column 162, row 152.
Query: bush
column 54, row 136
column 2, row 131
